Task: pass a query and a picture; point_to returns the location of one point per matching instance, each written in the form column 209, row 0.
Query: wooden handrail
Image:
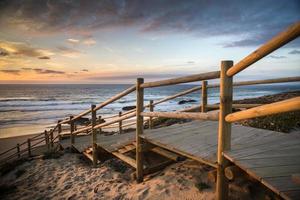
column 276, row 42
column 183, row 115
column 105, row 124
column 194, row 89
column 116, row 97
column 185, row 79
column 236, row 105
column 292, row 104
column 116, row 120
column 110, row 100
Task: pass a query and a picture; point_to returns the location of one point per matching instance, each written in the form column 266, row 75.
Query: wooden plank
column 292, row 104
column 126, row 159
column 261, row 149
column 166, row 153
column 281, row 184
column 89, row 156
column 268, row 162
column 126, row 149
column 185, row 79
column 183, row 115
column 292, row 195
column 273, row 171
column 182, row 153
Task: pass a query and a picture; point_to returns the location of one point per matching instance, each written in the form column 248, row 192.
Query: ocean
column 27, row 109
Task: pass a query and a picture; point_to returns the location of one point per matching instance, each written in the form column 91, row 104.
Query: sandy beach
column 71, row 177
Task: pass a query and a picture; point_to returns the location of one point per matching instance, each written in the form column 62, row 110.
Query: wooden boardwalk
column 270, row 157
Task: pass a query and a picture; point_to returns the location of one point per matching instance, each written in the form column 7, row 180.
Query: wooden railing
column 25, row 149
column 228, row 70
column 224, row 115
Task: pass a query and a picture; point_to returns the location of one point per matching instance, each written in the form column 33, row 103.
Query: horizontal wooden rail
column 116, row 97
column 117, row 126
column 276, row 42
column 87, row 128
column 292, row 104
column 110, row 100
column 105, row 124
column 183, row 115
column 185, row 79
column 236, row 105
column 116, row 120
column 268, row 81
column 194, row 89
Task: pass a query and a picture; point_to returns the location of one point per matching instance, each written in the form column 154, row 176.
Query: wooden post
column 29, row 147
column 94, row 135
column 18, row 150
column 59, row 130
column 204, row 96
column 51, row 138
column 47, row 140
column 139, row 129
column 99, row 130
column 120, row 124
column 151, row 109
column 224, row 132
column 72, row 128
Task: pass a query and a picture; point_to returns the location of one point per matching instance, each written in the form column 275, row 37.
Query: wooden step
column 126, row 149
column 89, row 156
column 89, row 150
column 125, row 158
column 167, row 154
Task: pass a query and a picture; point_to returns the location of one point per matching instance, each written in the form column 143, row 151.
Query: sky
column 107, row 41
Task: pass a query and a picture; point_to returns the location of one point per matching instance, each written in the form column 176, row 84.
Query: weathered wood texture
column 183, row 115
column 224, row 129
column 204, row 96
column 272, row 160
column 139, row 129
column 185, row 79
column 292, row 104
column 251, row 149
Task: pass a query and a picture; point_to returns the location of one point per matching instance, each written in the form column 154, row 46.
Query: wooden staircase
column 126, row 152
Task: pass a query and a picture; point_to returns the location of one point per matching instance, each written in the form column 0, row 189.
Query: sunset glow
column 116, row 41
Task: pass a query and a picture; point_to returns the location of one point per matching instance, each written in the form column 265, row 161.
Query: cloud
column 89, row 42
column 84, row 70
column 277, row 57
column 73, row 41
column 26, row 68
column 43, row 71
column 294, row 52
column 44, row 57
column 68, row 52
column 22, row 49
column 47, row 71
column 250, row 22
column 10, row 71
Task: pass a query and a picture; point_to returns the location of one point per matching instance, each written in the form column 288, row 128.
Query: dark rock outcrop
column 186, row 101
column 126, row 108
